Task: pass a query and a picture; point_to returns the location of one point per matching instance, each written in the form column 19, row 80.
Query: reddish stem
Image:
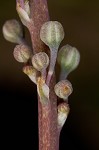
column 39, row 15
column 47, row 115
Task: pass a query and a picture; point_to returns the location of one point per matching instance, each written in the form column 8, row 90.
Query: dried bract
column 63, row 111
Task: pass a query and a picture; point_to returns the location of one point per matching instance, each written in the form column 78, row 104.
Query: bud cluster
column 40, row 67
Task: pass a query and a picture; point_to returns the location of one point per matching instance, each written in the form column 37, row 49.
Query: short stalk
column 63, row 74
column 22, row 41
column 53, row 56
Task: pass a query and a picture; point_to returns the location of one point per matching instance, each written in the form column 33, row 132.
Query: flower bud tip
column 22, row 53
column 63, row 89
column 40, row 61
column 52, row 33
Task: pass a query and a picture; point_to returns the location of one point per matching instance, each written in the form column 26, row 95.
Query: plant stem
column 47, row 114
column 39, row 15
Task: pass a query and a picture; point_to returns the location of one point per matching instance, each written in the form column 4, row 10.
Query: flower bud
column 52, row 33
column 12, row 31
column 22, row 53
column 40, row 61
column 31, row 72
column 68, row 58
column 63, row 89
column 63, row 111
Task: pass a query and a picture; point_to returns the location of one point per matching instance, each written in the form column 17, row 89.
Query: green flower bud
column 63, row 89
column 52, row 33
column 13, row 31
column 40, row 61
column 22, row 53
column 68, row 58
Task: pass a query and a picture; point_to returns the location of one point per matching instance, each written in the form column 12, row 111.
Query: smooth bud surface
column 22, row 53
column 68, row 58
column 63, row 89
column 13, row 31
column 40, row 61
column 52, row 33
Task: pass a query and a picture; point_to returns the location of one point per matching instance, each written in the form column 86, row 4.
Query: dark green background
column 18, row 101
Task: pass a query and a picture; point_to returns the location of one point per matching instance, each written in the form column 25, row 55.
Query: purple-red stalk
column 47, row 114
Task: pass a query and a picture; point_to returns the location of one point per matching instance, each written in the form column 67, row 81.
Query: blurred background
column 18, row 99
